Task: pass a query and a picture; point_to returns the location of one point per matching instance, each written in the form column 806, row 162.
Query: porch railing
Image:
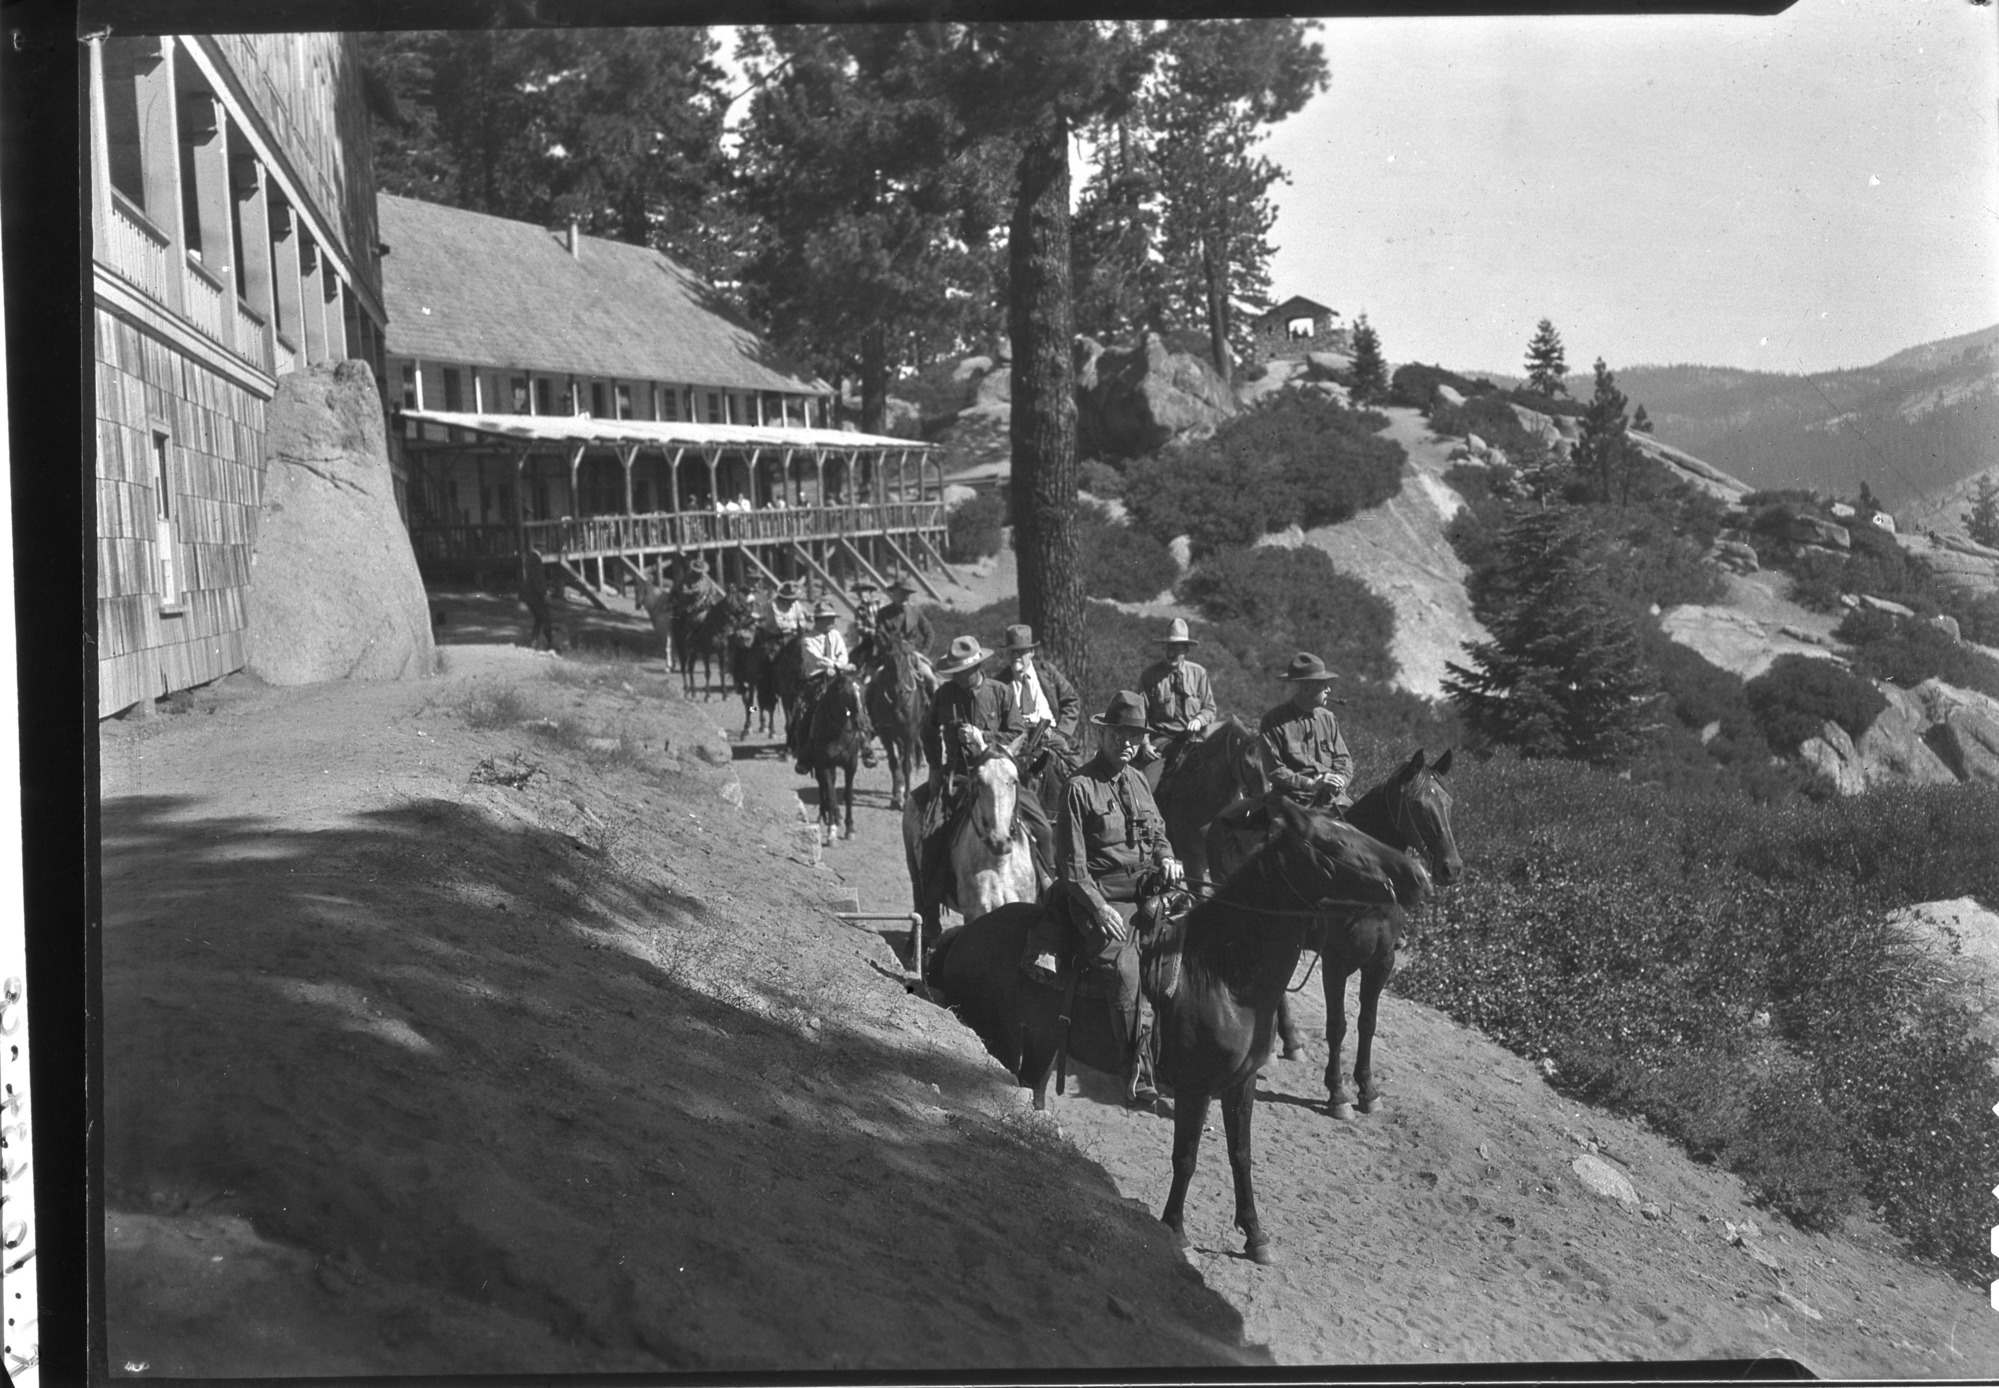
column 204, row 304
column 137, row 248
column 250, row 343
column 287, row 355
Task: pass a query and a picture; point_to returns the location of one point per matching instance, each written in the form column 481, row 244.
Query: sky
column 1813, row 190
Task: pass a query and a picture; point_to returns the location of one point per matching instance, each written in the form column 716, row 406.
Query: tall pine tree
column 1563, row 675
column 1547, row 365
column 1370, row 372
column 1604, row 457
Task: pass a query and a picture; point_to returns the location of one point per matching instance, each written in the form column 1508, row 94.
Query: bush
column 1799, row 694
column 1493, row 420
column 1633, row 935
column 1272, row 602
column 1119, row 561
column 1415, row 385
column 1102, row 479
column 1295, row 457
column 974, row 530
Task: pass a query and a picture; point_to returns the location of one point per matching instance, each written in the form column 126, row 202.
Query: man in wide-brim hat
column 695, row 592
column 1045, row 695
column 1179, row 703
column 867, row 607
column 1304, row 756
column 785, row 615
column 822, row 655
column 1112, row 860
column 969, row 711
column 899, row 621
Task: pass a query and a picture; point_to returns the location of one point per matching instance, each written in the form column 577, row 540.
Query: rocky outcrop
column 1831, row 754
column 1956, row 560
column 1131, row 400
column 1736, row 641
column 1895, row 751
column 334, row 590
column 1276, row 375
column 1735, row 553
column 1963, row 730
column 1688, row 468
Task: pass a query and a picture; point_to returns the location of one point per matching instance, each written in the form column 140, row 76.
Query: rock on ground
column 334, row 590
column 1131, row 400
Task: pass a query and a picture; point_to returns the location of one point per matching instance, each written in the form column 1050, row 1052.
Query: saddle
column 1158, row 949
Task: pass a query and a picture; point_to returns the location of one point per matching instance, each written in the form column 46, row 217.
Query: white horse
column 992, row 854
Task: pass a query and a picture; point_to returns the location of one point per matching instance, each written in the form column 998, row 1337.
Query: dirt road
column 499, row 1022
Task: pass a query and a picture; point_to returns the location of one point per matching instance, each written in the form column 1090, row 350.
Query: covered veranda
column 615, row 500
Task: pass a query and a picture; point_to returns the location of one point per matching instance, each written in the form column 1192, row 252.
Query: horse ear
column 1411, row 767
column 1443, row 763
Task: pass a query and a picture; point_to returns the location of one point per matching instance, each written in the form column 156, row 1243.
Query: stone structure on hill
column 334, row 590
column 1296, row 327
column 1131, row 400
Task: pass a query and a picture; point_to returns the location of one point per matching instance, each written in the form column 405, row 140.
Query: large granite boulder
column 334, row 590
column 1894, row 750
column 1963, row 730
column 1832, row 755
column 1131, row 400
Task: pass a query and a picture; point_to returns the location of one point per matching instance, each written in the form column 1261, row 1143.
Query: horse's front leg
column 1189, row 1115
column 1372, row 980
column 1287, row 1029
column 1238, row 1107
column 1341, row 1098
column 847, row 798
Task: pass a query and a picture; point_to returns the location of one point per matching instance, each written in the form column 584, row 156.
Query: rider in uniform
column 1112, row 861
column 822, row 655
column 1179, row 703
column 1304, row 756
column 904, row 623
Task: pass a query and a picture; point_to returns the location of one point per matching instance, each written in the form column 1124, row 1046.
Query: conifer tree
column 1370, row 373
column 1546, row 363
column 1981, row 522
column 1603, row 456
column 1563, row 675
column 1641, row 421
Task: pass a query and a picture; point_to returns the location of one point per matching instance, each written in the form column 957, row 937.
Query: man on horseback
column 970, row 713
column 695, row 592
column 867, row 607
column 898, row 621
column 822, row 655
column 1179, row 703
column 1111, row 853
column 1045, row 696
column 1304, row 756
column 783, row 615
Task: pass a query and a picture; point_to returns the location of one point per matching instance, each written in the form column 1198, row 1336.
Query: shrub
column 1907, row 652
column 1650, row 560
column 1121, row 562
column 1295, row 457
column 1799, row 694
column 1102, row 479
column 1415, row 385
column 1272, row 602
column 974, row 530
column 1492, row 419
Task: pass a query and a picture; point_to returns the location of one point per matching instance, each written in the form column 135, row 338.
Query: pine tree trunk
column 874, row 379
column 1043, row 426
column 1215, row 274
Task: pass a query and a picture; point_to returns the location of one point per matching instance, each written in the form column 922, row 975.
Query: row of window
column 468, row 390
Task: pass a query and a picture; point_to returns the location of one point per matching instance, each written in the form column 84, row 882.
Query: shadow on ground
column 454, row 1049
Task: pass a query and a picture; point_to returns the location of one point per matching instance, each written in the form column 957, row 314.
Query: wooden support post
column 860, row 559
column 831, row 583
column 637, row 572
column 521, row 510
column 910, row 564
column 757, row 563
column 627, row 456
column 583, row 586
column 673, row 478
column 575, row 463
column 932, row 550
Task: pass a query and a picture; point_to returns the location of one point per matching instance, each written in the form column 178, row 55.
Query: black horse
column 838, row 733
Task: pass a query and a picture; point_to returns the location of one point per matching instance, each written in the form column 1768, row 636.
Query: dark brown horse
column 753, row 659
column 1411, row 813
column 898, row 706
column 1223, row 767
column 838, row 733
column 1237, row 951
column 701, row 636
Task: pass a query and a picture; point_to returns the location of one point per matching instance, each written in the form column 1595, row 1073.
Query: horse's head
column 995, row 800
column 1329, row 861
column 1420, row 809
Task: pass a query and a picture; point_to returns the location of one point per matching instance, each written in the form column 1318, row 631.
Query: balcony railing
column 137, row 248
column 287, row 355
column 204, row 304
column 250, row 343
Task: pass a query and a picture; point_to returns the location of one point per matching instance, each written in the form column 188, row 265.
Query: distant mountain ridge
column 1913, row 426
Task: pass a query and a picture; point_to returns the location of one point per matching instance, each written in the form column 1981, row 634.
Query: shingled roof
column 487, row 291
column 1297, row 306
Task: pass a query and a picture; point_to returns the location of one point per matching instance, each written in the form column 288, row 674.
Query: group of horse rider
column 1099, row 839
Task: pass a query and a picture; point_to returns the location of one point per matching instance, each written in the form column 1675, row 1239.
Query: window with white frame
column 166, row 533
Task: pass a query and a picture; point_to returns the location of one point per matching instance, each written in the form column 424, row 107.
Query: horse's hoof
column 1179, row 1234
column 1367, row 1105
column 1292, row 1053
column 1342, row 1110
column 1262, row 1252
